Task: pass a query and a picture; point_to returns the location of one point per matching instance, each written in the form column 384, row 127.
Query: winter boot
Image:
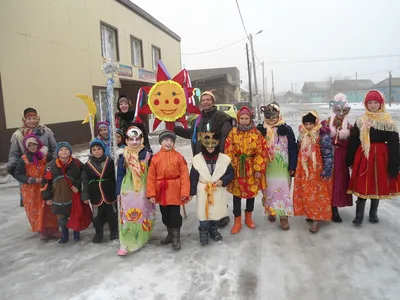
column 168, row 238
column 373, row 211
column 335, row 215
column 248, row 220
column 98, row 237
column 176, row 238
column 359, row 211
column 77, row 236
column 284, row 223
column 237, row 226
column 54, row 233
column 223, row 222
column 214, row 233
column 114, row 235
column 64, row 235
column 203, row 235
column 44, row 234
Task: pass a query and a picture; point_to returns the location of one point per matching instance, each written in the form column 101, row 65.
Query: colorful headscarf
column 380, row 120
column 271, row 111
column 309, row 139
column 41, row 149
column 131, row 156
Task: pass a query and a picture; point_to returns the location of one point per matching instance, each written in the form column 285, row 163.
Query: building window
column 136, row 50
column 109, row 45
column 100, row 98
column 156, row 54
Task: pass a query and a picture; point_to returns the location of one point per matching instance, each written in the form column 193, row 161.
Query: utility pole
column 273, row 87
column 263, row 76
column 254, row 65
column 249, row 71
column 390, row 89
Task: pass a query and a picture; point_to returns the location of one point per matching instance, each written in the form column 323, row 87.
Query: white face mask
column 134, row 142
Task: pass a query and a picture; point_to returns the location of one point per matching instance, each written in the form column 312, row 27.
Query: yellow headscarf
column 308, row 140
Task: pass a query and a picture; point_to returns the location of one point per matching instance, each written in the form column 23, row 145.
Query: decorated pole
column 110, row 69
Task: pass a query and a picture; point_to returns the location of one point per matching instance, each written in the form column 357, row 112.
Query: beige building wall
column 51, row 50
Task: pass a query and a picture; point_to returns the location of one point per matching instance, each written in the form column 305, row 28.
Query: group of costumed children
column 257, row 158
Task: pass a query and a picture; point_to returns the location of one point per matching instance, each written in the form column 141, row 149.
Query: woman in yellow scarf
column 373, row 153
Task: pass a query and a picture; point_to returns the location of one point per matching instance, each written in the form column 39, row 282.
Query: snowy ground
column 339, row 262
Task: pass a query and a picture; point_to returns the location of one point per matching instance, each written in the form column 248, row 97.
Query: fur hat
column 64, row 144
column 97, row 142
column 166, row 134
column 30, row 112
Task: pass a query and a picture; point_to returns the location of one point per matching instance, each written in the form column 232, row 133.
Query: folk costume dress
column 136, row 214
column 339, row 132
column 282, row 157
column 29, row 167
column 374, row 153
column 311, row 196
column 247, row 150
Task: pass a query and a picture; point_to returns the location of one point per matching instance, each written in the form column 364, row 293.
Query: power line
column 333, row 59
column 241, row 17
column 217, row 49
column 379, row 72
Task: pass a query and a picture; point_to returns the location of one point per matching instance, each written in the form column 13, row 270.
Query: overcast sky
column 292, row 30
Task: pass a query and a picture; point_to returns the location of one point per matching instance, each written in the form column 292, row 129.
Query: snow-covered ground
column 339, row 262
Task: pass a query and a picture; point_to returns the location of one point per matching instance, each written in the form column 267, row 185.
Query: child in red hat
column 247, row 150
column 373, row 153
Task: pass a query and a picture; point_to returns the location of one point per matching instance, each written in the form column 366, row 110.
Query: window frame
column 134, row 38
column 109, row 27
column 155, row 63
column 97, row 95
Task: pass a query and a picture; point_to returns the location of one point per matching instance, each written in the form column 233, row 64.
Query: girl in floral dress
column 282, row 149
column 136, row 213
column 248, row 152
column 311, row 196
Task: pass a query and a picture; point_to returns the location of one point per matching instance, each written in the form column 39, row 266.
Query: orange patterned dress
column 39, row 214
column 248, row 152
column 311, row 196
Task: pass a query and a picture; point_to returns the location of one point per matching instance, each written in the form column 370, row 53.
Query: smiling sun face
column 167, row 100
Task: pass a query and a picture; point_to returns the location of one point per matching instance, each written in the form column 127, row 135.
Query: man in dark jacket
column 210, row 119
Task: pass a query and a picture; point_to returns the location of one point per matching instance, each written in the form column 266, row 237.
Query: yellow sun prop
column 168, row 99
